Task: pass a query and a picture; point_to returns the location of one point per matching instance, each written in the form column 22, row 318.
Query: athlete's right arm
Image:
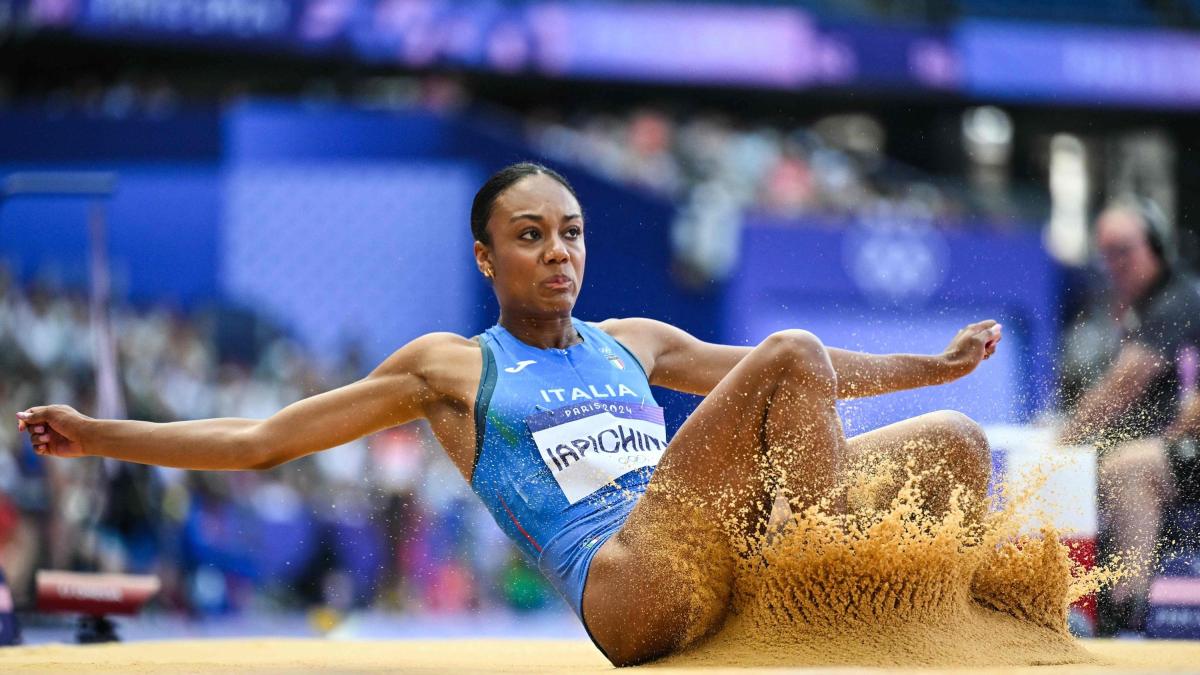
column 394, row 393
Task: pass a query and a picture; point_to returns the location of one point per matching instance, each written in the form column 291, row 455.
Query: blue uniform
column 567, row 440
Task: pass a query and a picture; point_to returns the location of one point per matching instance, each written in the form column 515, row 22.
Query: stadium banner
column 1079, row 65
column 774, row 47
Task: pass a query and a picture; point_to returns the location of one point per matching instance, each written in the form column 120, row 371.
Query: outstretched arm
column 680, row 361
column 861, row 375
column 394, row 393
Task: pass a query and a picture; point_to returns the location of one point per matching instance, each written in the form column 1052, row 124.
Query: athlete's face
column 537, row 254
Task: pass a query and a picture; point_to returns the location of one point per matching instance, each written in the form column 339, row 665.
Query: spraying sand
column 893, row 584
column 893, row 588
column 884, row 582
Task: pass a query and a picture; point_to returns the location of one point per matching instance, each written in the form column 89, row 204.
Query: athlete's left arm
column 677, row 360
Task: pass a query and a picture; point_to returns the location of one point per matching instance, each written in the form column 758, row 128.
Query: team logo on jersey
column 616, row 361
column 521, row 365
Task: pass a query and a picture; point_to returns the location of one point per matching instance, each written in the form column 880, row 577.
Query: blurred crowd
column 384, row 522
column 836, row 166
column 724, row 173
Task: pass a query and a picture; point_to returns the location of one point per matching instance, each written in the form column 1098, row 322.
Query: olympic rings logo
column 630, row 460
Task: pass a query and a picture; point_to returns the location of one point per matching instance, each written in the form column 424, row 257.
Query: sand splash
column 893, row 585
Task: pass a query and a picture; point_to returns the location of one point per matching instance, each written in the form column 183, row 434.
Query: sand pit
column 458, row 656
column 889, row 580
column 883, row 583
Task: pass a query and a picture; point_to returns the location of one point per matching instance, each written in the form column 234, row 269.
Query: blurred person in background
column 1132, row 411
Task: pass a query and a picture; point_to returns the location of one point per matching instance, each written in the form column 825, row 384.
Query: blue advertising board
column 770, row 46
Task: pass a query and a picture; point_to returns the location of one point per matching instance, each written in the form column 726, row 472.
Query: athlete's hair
column 485, row 199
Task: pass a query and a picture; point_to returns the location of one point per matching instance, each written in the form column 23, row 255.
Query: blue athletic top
column 566, row 441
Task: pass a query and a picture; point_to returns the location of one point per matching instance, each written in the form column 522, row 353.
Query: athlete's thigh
column 720, row 459
column 666, row 577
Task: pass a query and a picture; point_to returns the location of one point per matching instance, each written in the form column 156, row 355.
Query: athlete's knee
column 801, row 353
column 964, row 439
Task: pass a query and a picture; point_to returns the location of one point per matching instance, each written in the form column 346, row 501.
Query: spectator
column 1132, row 411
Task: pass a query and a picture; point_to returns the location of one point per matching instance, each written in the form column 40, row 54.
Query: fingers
column 34, row 422
column 986, row 334
column 990, row 331
column 992, row 338
column 42, row 442
column 993, row 334
column 34, row 414
column 973, row 329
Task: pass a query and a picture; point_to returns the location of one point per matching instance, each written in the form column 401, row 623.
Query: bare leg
column 946, row 437
column 1135, row 484
column 665, row 578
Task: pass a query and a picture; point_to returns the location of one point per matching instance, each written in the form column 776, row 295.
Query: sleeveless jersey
column 566, row 442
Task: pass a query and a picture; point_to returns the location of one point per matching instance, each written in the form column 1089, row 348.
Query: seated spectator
column 1132, row 412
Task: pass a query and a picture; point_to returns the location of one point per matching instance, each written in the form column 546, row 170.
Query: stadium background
column 293, row 182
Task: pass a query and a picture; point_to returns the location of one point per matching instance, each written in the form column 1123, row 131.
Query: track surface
column 457, row 656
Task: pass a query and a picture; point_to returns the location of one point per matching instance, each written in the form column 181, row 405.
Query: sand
column 889, row 590
column 881, row 583
column 463, row 656
column 883, row 580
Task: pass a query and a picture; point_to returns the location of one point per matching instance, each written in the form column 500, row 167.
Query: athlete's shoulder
column 632, row 326
column 433, row 351
column 646, row 338
column 442, row 342
column 650, row 332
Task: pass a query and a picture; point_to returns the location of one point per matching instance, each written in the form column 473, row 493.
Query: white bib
column 592, row 444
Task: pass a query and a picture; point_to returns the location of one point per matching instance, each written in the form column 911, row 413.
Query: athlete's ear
column 483, row 259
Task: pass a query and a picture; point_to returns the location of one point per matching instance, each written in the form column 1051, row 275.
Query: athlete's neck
column 541, row 332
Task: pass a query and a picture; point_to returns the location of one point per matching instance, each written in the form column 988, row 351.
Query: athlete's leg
column 665, row 578
column 945, row 438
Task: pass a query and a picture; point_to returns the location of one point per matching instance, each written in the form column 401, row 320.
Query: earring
column 487, row 272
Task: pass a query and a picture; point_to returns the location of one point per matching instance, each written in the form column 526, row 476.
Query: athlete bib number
column 590, row 445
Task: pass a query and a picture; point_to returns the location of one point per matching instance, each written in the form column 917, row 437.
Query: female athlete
column 552, row 421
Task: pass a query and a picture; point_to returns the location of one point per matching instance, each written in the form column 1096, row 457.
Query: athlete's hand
column 55, row 430
column 972, row 345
